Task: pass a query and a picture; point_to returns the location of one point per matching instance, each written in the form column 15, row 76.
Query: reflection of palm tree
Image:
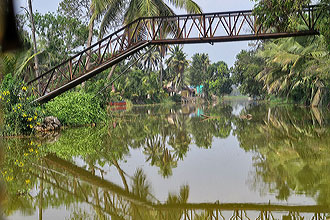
column 217, row 125
column 160, row 155
column 140, row 186
column 173, row 199
column 181, row 198
column 153, row 149
column 180, row 141
column 166, row 156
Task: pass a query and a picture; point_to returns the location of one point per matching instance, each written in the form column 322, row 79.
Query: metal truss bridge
column 145, row 31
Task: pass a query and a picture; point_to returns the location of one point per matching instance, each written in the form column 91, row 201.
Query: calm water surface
column 175, row 163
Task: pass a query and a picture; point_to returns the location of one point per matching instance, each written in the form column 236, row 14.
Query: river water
column 234, row 160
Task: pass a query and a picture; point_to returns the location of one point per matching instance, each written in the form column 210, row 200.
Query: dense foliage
column 140, row 87
column 296, row 69
column 246, row 68
column 20, row 153
column 59, row 36
column 219, row 81
column 76, row 108
column 20, row 115
column 283, row 15
column 215, row 78
column 198, row 71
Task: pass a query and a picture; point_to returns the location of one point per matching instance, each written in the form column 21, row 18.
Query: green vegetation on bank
column 295, row 69
column 76, row 108
column 20, row 115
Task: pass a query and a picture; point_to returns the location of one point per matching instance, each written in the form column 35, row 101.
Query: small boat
column 121, row 103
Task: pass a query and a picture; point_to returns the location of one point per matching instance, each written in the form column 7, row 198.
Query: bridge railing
column 88, row 59
column 223, row 26
column 193, row 28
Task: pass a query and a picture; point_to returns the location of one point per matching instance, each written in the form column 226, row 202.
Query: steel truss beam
column 180, row 29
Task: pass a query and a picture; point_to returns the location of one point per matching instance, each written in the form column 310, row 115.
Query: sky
column 219, row 51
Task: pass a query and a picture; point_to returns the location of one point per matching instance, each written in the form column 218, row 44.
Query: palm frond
column 188, row 5
column 113, row 16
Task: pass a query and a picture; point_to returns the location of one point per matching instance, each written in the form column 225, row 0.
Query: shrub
column 20, row 114
column 100, row 88
column 76, row 108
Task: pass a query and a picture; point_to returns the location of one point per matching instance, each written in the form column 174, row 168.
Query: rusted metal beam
column 234, row 38
column 89, row 74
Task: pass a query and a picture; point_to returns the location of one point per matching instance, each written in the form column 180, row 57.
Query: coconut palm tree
column 115, row 12
column 17, row 63
column 151, row 60
column 177, row 62
column 296, row 65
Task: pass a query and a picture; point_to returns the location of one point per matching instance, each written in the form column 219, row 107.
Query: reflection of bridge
column 116, row 202
column 182, row 29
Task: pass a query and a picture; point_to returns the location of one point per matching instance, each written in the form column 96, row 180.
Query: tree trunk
column 89, row 42
column 161, row 74
column 113, row 68
column 317, row 114
column 176, row 82
column 35, row 49
column 121, row 173
column 317, row 98
column 182, row 80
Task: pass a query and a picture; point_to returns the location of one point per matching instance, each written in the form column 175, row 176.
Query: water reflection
column 290, row 148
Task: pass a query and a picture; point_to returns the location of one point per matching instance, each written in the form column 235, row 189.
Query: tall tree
column 177, row 63
column 199, row 69
column 219, row 79
column 59, row 35
column 283, row 15
column 297, row 68
column 35, row 49
column 246, row 68
column 115, row 11
column 151, row 60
